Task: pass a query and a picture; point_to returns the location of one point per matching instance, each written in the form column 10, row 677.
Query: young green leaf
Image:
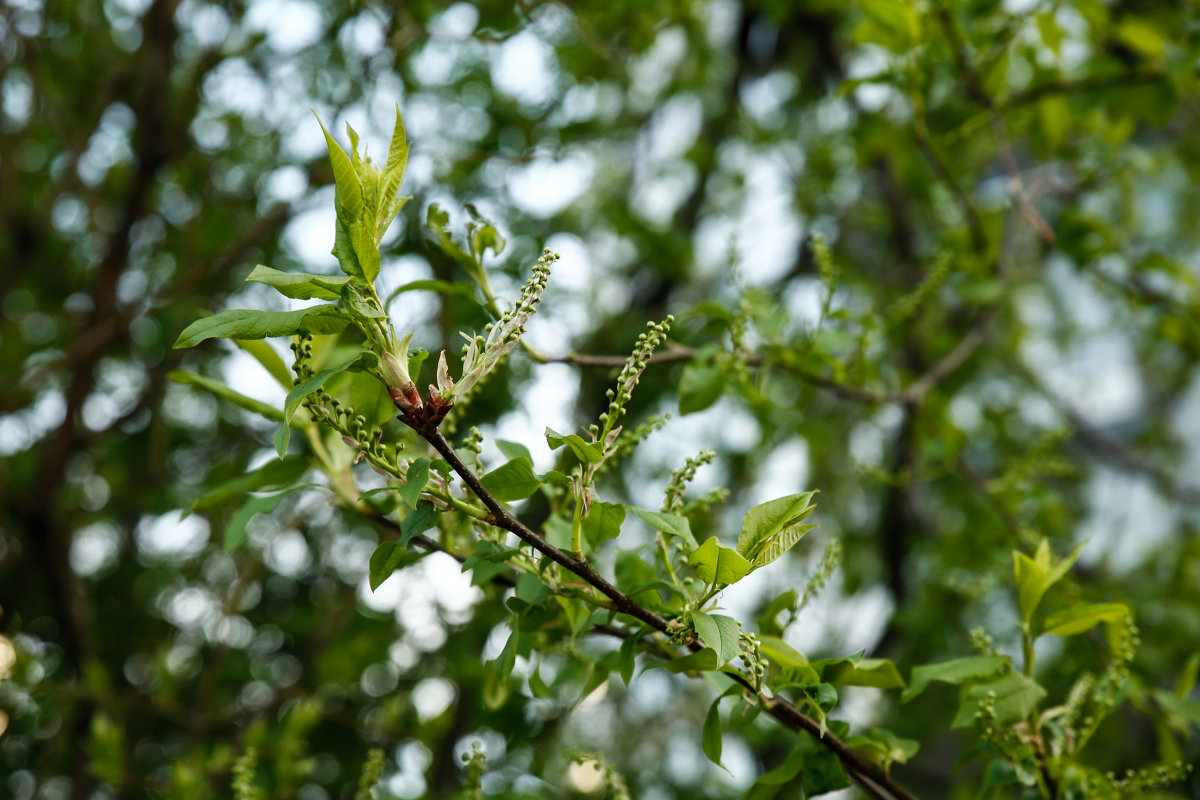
column 880, row 673
column 420, row 520
column 265, row 355
column 393, row 175
column 514, row 480
column 603, row 522
column 700, row 385
column 383, row 563
column 781, row 653
column 1182, row 707
column 347, row 188
column 235, row 532
column 465, row 290
column 1031, row 584
column 588, row 452
column 710, row 736
column 300, row 286
column 415, row 482
column 719, row 632
column 716, row 563
column 1082, row 618
column 957, row 671
column 699, row 661
column 670, row 524
column 780, row 543
column 765, row 527
column 242, row 323
column 1015, row 697
column 627, row 653
column 272, row 475
column 365, row 361
column 223, row 391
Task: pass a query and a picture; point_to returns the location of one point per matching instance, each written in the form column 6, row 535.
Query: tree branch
column 868, row 775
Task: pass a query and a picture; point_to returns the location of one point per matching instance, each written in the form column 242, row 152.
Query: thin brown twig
column 912, row 394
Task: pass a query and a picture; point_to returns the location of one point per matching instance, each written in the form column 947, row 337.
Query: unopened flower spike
column 395, row 374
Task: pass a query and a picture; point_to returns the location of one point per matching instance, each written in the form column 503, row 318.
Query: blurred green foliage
column 996, row 342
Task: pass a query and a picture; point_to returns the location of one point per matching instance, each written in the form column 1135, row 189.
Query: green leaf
column 710, row 736
column 628, row 652
column 883, row 747
column 1056, row 573
column 465, row 290
column 415, row 482
column 235, row 532
column 384, row 561
column 1031, row 584
column 272, row 475
column 700, row 385
column 765, row 528
column 390, row 202
column 513, row 449
column 221, row 390
column 242, row 323
column 1142, row 36
column 603, row 522
column 514, row 480
column 363, row 362
column 719, row 632
column 482, row 235
column 781, row 653
column 362, row 240
column 789, row 769
column 359, row 300
column 699, row 661
column 822, row 773
column 1016, row 697
column 345, row 178
column 670, row 524
column 1079, row 619
column 956, row 671
column 300, row 286
column 531, row 590
column 780, row 543
column 1182, row 707
column 718, row 564
column 880, row 673
column 420, row 520
column 264, row 354
column 588, row 452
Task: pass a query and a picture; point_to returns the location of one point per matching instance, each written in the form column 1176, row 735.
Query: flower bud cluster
column 482, row 353
column 654, row 335
column 302, row 353
column 681, row 477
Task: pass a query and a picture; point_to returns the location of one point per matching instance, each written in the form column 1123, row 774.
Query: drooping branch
column 872, row 778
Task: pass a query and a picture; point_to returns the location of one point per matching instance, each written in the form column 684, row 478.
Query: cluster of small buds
column 829, row 562
column 244, row 770
column 629, row 440
column 751, row 657
column 904, row 308
column 981, row 642
column 679, row 633
column 482, row 353
column 356, row 433
column 985, row 715
column 473, row 444
column 648, row 341
column 371, row 773
column 474, row 764
column 302, row 355
column 681, row 477
column 1146, row 778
